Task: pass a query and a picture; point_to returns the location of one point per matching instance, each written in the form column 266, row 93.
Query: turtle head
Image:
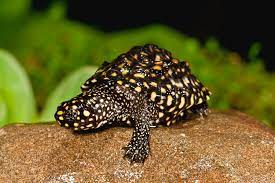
column 83, row 112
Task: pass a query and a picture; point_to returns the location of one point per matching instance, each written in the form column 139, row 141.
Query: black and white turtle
column 143, row 88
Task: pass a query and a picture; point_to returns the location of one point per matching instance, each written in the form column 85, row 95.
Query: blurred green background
column 44, row 58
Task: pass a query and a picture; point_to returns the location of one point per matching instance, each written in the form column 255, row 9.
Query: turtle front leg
column 201, row 109
column 138, row 148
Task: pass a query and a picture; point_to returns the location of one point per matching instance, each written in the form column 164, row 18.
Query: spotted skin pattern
column 143, row 88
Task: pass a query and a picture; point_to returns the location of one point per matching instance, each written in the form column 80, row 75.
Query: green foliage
column 11, row 10
column 69, row 87
column 51, row 47
column 48, row 55
column 16, row 97
column 254, row 51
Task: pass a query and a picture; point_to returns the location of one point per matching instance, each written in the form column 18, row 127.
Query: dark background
column 235, row 24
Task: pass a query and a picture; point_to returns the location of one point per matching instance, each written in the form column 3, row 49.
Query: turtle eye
column 70, row 115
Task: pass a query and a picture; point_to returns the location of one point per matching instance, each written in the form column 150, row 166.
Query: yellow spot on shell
column 146, row 85
column 138, row 89
column 74, row 107
column 170, row 72
column 129, row 62
column 143, row 53
column 139, row 75
column 153, row 96
column 186, row 81
column 157, row 58
column 124, row 72
column 120, row 82
column 132, row 81
column 78, row 118
column 66, row 124
column 182, row 102
column 175, row 61
column 114, row 74
column 187, row 64
column 158, row 63
column 179, row 84
column 89, row 125
column 59, row 112
column 169, row 86
column 161, row 114
column 86, row 113
column 191, row 100
column 94, row 80
column 61, row 118
column 207, row 97
column 169, row 100
column 200, row 101
column 121, row 65
column 172, row 109
column 163, row 90
column 76, row 124
column 154, row 84
column 157, row 67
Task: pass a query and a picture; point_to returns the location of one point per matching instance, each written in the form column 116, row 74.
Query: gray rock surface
column 224, row 147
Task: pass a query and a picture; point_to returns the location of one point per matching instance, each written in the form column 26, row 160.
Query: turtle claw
column 137, row 153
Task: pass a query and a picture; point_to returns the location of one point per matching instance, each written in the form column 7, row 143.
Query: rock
column 225, row 146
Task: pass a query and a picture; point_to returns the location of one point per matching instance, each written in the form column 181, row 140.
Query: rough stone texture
column 224, row 147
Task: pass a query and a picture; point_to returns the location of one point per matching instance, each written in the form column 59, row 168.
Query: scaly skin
column 142, row 88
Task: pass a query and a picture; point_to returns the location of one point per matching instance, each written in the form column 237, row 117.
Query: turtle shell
column 154, row 73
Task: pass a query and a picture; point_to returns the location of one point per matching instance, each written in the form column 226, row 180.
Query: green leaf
column 15, row 91
column 67, row 89
column 3, row 110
